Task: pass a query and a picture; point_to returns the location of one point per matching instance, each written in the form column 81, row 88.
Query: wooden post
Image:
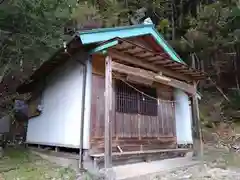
column 139, row 126
column 108, row 110
column 197, row 137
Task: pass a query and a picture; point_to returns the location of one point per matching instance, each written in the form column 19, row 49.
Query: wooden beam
column 120, row 68
column 130, row 59
column 179, row 68
column 144, row 54
column 197, row 136
column 163, row 62
column 124, row 46
column 171, row 64
column 135, row 50
column 155, row 58
column 108, row 109
column 182, row 85
column 186, row 71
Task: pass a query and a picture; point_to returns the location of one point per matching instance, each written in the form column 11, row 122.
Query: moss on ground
column 21, row 164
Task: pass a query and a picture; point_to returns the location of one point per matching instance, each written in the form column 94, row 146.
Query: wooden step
column 135, row 147
column 134, row 144
column 138, row 156
column 141, row 152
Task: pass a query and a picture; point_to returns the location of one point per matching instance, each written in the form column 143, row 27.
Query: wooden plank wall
column 166, row 109
column 143, row 126
column 130, row 128
column 97, row 107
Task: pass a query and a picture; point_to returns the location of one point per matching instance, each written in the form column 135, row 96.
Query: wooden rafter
column 149, row 59
column 136, row 61
column 135, row 50
column 125, row 46
column 159, row 58
column 171, row 64
column 155, row 57
column 163, row 62
column 144, row 54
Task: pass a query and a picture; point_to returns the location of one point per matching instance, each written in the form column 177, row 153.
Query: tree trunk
column 235, row 67
column 173, row 20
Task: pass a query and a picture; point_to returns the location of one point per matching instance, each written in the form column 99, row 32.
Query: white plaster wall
column 183, row 118
column 87, row 113
column 59, row 123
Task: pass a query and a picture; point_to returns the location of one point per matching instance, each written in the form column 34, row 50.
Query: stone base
column 187, row 146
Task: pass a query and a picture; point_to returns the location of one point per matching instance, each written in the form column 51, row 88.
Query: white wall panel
column 87, row 113
column 59, row 122
column 183, row 118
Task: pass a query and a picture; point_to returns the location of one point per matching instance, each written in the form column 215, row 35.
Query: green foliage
column 163, row 25
column 31, row 31
column 34, row 30
column 232, row 109
column 212, row 27
column 84, row 11
column 114, row 13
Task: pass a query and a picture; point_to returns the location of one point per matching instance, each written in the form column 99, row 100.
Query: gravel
column 201, row 172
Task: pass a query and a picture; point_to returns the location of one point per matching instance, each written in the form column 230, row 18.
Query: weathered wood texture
column 151, row 76
column 133, row 130
column 134, row 144
column 197, row 136
column 98, row 65
column 129, row 52
column 107, row 114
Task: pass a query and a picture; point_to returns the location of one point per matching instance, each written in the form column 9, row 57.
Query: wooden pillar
column 197, row 137
column 108, row 110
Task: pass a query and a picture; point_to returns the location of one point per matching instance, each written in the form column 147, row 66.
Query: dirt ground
column 201, row 172
column 20, row 164
column 217, row 164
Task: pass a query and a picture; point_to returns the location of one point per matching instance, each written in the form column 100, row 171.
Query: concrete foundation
column 142, row 170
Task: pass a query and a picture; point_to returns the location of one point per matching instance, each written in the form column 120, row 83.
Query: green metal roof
column 104, row 34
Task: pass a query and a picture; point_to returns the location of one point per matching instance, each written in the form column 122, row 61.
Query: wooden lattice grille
column 129, row 100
